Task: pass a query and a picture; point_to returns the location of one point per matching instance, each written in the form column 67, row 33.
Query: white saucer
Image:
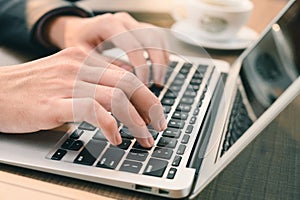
column 184, row 32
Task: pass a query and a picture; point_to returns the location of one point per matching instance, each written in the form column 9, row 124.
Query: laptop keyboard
column 239, row 122
column 181, row 100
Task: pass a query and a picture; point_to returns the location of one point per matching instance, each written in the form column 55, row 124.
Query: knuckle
column 123, row 15
column 75, row 54
column 73, row 51
column 58, row 118
column 128, row 77
column 91, row 106
column 109, row 123
column 118, row 94
column 107, row 18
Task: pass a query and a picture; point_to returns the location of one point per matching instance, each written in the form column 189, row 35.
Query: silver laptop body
column 213, row 114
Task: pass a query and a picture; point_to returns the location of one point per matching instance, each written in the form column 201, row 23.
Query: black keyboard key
column 193, row 120
column 196, row 81
column 167, row 142
column 67, row 143
column 150, row 127
column 176, row 161
column 183, row 107
column 185, row 139
column 164, row 153
column 131, row 166
column 180, row 76
column 205, row 89
column 202, row 97
column 76, row 145
column 111, row 158
column 184, row 70
column 180, row 115
column 172, row 132
column 125, row 133
column 181, row 149
column 175, row 123
column 195, row 87
column 124, row 145
column 90, row 153
column 155, row 89
column 171, row 94
column 178, row 82
column 76, row 134
column 138, row 146
column 59, row 154
column 175, row 88
column 187, row 65
column 199, row 104
column 198, row 75
column 99, row 136
column 173, row 64
column 171, row 173
column 166, row 108
column 201, row 68
column 196, row 111
column 155, row 167
column 136, row 154
column 187, row 100
column 154, row 133
column 190, row 93
column 86, row 126
column 167, row 101
column 189, row 128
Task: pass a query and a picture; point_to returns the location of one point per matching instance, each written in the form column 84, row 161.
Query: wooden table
column 269, row 168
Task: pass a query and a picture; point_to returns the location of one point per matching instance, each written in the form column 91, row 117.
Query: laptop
column 213, row 111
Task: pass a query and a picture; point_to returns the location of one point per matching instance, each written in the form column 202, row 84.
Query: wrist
column 59, row 31
column 41, row 28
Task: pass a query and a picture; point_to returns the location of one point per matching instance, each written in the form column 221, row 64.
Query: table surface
column 269, row 168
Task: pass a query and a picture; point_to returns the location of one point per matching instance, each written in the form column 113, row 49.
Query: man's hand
column 123, row 31
column 69, row 87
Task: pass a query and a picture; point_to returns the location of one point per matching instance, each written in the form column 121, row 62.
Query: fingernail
column 150, row 141
column 162, row 123
column 117, row 139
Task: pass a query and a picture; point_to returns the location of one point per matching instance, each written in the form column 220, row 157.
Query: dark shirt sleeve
column 22, row 21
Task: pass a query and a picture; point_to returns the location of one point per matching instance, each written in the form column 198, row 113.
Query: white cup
column 214, row 19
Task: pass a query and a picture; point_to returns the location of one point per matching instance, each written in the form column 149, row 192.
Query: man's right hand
column 68, row 87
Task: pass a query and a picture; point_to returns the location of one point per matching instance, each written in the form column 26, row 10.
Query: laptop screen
column 274, row 63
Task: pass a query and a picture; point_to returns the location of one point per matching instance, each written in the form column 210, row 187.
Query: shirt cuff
column 38, row 30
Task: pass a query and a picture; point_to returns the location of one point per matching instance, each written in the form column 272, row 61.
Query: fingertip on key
column 150, row 141
column 117, row 139
column 163, row 123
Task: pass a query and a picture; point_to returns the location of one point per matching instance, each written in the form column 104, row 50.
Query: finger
column 155, row 44
column 118, row 62
column 89, row 110
column 135, row 52
column 92, row 70
column 116, row 101
column 145, row 102
column 122, row 38
column 159, row 66
column 95, row 59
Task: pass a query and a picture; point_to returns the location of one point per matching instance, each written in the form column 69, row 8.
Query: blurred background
column 158, row 12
